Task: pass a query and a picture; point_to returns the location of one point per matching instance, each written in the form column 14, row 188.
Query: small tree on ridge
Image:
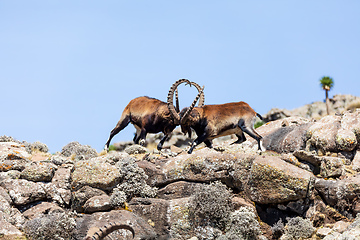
column 327, row 83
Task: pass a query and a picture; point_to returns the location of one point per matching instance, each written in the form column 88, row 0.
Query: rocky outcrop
column 306, row 184
column 316, row 110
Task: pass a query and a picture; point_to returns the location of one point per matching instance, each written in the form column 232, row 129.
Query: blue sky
column 68, row 68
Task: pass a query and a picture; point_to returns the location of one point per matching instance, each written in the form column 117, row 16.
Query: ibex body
column 213, row 121
column 149, row 115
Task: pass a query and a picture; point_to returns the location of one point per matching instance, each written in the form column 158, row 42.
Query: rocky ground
column 306, row 185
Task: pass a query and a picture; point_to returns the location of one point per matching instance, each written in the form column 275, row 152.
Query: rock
column 54, row 225
column 120, row 146
column 61, row 178
column 346, row 140
column 322, row 134
column 274, row 181
column 97, row 204
column 23, row 192
column 99, row 219
column 59, row 160
column 287, row 139
column 94, row 173
column 146, row 207
column 13, row 151
column 179, row 189
column 239, row 202
column 340, row 226
column 204, row 166
column 355, row 164
column 80, row 196
column 331, row 167
column 308, row 157
column 333, row 191
column 9, row 231
column 78, row 151
column 4, row 194
column 135, row 149
column 322, row 232
column 8, row 165
column 42, row 208
column 10, row 214
column 38, row 172
column 275, row 114
column 316, row 110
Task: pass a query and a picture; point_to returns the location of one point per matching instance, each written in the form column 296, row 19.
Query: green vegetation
column 326, row 84
column 112, row 148
column 258, row 124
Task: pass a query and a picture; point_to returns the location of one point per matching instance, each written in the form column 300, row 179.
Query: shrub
column 134, row 180
column 117, row 198
column 242, row 225
column 298, row 228
column 55, row 226
column 78, row 151
column 211, row 204
column 42, row 147
column 278, row 229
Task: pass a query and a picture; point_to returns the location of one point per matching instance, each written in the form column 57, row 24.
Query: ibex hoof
column 142, row 142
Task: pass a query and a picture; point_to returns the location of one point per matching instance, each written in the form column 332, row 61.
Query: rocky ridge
column 306, row 185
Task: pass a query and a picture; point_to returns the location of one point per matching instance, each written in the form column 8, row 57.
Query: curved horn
column 177, row 107
column 170, row 99
column 184, row 117
column 202, row 97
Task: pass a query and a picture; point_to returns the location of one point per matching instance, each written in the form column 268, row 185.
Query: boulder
column 23, row 192
column 204, row 166
column 355, row 164
column 331, row 167
column 95, row 173
column 42, row 208
column 322, row 134
column 333, row 191
column 155, row 212
column 100, row 219
column 10, row 232
column 97, row 204
column 38, row 172
column 178, row 189
column 273, row 180
column 79, row 197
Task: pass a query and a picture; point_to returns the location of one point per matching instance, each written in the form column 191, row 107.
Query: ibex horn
column 170, row 100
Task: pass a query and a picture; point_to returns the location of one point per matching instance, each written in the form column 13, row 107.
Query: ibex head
column 181, row 117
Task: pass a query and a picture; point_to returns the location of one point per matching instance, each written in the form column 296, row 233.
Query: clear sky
column 68, row 68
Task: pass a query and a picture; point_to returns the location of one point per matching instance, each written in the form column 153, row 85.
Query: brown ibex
column 150, row 115
column 213, row 121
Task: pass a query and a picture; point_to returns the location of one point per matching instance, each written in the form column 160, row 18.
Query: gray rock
column 23, row 192
column 95, row 173
column 42, row 208
column 145, row 208
column 80, row 196
column 100, row 219
column 38, row 172
column 135, row 149
column 331, row 167
column 273, row 180
column 97, row 204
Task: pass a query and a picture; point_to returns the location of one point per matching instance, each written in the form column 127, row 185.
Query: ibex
column 150, row 115
column 213, row 121
column 96, row 233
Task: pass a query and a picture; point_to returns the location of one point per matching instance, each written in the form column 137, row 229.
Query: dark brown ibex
column 150, row 115
column 213, row 121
